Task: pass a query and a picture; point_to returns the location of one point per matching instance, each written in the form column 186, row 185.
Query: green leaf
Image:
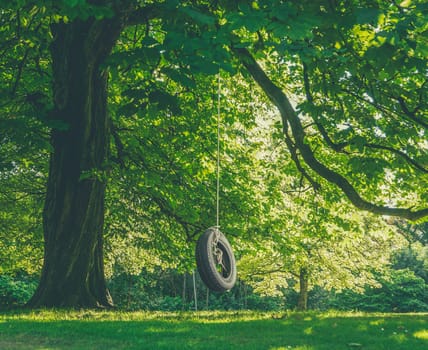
column 422, row 49
column 74, row 3
column 149, row 41
column 206, row 67
column 198, row 16
column 179, row 77
column 164, row 100
column 367, row 15
column 405, row 3
column 358, row 143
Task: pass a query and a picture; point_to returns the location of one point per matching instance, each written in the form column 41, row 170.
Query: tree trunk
column 302, row 303
column 73, row 216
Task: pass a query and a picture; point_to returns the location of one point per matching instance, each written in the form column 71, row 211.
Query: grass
column 60, row 329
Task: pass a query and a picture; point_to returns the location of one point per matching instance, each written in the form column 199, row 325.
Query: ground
column 212, row 330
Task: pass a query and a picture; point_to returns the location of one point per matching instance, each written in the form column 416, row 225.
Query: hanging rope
column 218, row 151
column 195, row 294
column 214, row 256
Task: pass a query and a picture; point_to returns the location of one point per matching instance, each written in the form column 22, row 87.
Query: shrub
column 402, row 291
column 16, row 290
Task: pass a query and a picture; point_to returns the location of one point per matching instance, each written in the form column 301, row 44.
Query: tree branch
column 19, row 73
column 411, row 114
column 399, row 153
column 289, row 116
column 339, row 147
column 294, row 156
column 383, row 109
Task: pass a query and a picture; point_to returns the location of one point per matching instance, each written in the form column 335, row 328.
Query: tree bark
column 73, row 216
column 302, row 303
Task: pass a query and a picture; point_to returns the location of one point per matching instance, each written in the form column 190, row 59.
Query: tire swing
column 215, row 260
column 214, row 256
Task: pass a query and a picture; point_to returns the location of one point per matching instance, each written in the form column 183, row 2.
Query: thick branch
column 292, row 148
column 289, row 115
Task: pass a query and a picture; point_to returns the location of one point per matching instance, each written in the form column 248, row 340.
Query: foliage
column 336, row 245
column 15, row 291
column 24, row 134
column 354, row 71
column 414, row 258
column 163, row 196
column 400, row 291
column 349, row 114
column 210, row 330
column 168, row 290
column 21, row 243
column 413, row 233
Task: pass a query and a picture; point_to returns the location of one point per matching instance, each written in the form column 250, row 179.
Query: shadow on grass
column 225, row 331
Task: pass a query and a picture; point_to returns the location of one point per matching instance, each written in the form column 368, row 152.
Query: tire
column 218, row 276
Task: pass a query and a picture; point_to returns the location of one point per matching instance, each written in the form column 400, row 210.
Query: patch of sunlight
column 362, row 327
column 346, row 314
column 308, row 331
column 377, row 322
column 154, row 330
column 423, row 334
column 399, row 338
column 289, row 347
column 308, row 318
column 166, row 329
column 223, row 317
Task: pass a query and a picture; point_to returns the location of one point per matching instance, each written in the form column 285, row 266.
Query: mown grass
column 58, row 329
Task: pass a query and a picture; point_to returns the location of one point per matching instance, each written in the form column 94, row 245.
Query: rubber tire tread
column 205, row 261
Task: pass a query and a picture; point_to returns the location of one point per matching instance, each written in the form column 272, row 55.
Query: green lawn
column 212, row 330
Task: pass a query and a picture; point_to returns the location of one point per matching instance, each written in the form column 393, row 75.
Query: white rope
column 218, row 153
column 194, row 291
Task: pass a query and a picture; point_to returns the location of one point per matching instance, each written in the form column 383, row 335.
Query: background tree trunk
column 302, row 303
column 73, row 217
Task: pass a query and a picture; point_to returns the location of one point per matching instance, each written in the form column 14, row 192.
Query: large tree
column 356, row 69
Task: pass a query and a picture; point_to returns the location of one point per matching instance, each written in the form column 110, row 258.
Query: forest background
column 354, row 74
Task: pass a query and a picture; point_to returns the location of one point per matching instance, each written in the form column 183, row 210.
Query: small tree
column 335, row 251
